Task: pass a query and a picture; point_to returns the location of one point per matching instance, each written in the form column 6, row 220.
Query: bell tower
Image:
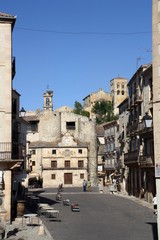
column 47, row 100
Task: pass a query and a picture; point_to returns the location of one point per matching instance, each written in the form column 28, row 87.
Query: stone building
column 139, row 155
column 61, row 146
column 91, row 99
column 156, row 96
column 100, row 154
column 111, row 156
column 12, row 145
column 123, row 142
column 118, row 92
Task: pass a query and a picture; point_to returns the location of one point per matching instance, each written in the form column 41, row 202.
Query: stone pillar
column 7, row 193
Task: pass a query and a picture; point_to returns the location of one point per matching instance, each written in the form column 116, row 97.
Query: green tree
column 78, row 109
column 104, row 111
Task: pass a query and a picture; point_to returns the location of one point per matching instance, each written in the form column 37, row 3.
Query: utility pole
column 156, row 98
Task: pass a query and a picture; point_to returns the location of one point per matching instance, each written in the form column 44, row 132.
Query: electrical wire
column 82, row 33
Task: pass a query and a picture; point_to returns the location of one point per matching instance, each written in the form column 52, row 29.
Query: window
column 53, row 164
column 70, row 126
column 80, row 151
column 122, row 92
column 33, row 152
column 33, row 126
column 81, row 175
column 80, row 163
column 54, row 151
column 118, row 92
column 33, row 163
column 67, row 164
column 53, row 176
column 123, row 86
column 14, row 106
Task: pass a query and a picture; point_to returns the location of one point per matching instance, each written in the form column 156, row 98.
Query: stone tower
column 118, row 92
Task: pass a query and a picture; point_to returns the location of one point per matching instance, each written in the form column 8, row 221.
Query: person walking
column 155, row 204
column 84, row 185
column 89, row 186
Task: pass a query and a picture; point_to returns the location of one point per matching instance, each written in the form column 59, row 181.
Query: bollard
column 41, row 231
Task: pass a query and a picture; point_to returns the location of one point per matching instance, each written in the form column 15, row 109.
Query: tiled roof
column 40, row 144
column 31, row 118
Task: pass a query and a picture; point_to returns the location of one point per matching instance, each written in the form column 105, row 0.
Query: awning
column 34, row 175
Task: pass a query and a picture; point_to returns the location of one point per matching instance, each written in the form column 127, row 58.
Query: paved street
column 101, row 216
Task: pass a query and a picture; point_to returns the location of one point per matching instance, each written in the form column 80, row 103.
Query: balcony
column 137, row 98
column 10, row 151
column 131, row 103
column 131, row 157
column 132, row 128
column 109, row 165
column 110, row 135
column 147, row 160
column 144, row 131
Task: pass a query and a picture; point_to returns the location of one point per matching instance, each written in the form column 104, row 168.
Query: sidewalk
column 16, row 231
column 137, row 200
column 130, row 197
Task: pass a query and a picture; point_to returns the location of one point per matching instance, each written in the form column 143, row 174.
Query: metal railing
column 147, row 159
column 131, row 157
column 10, row 151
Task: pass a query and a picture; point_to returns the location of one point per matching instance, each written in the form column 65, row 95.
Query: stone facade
column 11, row 146
column 136, row 138
column 91, row 99
column 63, row 148
column 156, row 96
column 118, row 92
column 111, row 146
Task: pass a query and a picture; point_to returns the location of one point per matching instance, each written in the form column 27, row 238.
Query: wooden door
column 67, row 178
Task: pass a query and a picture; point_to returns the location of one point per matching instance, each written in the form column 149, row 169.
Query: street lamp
column 22, row 112
column 147, row 120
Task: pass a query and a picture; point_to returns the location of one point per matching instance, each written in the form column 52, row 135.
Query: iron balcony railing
column 146, row 159
column 131, row 157
column 9, row 151
column 109, row 166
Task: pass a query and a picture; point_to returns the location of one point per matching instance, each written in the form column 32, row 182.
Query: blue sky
column 75, row 47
